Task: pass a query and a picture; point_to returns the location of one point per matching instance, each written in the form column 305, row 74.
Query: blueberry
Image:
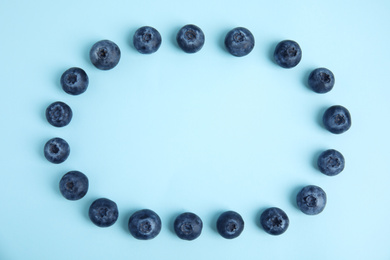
column 311, row 200
column 239, row 41
column 58, row 114
column 147, row 40
column 74, row 81
column 105, row 55
column 321, row 80
column 188, row 226
column 331, row 162
column 287, row 54
column 56, row 150
column 337, row 119
column 230, row 224
column 144, row 224
column 74, row 185
column 103, row 212
column 190, row 38
column 274, row 221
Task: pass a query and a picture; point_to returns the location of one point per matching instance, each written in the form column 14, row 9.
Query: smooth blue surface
column 206, row 132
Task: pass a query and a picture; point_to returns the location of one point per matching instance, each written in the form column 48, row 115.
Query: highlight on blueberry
column 144, row 224
column 56, row 150
column 188, row 226
column 103, row 212
column 147, row 40
column 230, row 224
column 105, row 55
column 311, row 200
column 287, row 54
column 331, row 162
column 58, row 114
column 274, row 221
column 239, row 41
column 190, row 38
column 321, row 80
column 74, row 81
column 74, row 185
column 337, row 119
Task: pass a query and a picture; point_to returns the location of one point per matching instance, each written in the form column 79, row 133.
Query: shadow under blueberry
column 315, row 159
column 271, row 51
column 173, row 37
column 293, row 196
column 214, row 218
column 304, row 80
column 257, row 217
column 125, row 220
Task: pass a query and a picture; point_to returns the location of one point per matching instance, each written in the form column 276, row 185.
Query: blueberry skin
column 74, row 81
column 230, row 224
column 56, row 150
column 321, row 80
column 59, row 114
column 103, row 212
column 331, row 162
column 287, row 54
column 144, row 224
column 188, row 226
column 311, row 200
column 239, row 41
column 147, row 40
column 105, row 55
column 274, row 221
column 190, row 38
column 74, row 185
column 337, row 119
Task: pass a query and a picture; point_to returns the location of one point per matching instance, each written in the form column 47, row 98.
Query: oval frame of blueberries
column 146, row 224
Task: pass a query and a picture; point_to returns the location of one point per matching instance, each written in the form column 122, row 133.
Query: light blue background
column 205, row 133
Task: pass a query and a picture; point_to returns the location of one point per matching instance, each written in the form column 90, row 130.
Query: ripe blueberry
column 188, row 226
column 74, row 185
column 190, row 38
column 144, row 224
column 105, row 55
column 287, row 54
column 56, row 150
column 337, row 119
column 147, row 40
column 74, row 81
column 239, row 41
column 230, row 224
column 321, row 80
column 274, row 221
column 103, row 212
column 59, row 114
column 311, row 200
column 331, row 162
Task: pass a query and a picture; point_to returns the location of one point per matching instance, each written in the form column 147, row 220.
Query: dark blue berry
column 103, row 212
column 74, row 185
column 58, row 114
column 311, row 200
column 188, row 226
column 287, row 54
column 331, row 162
column 230, row 224
column 74, row 81
column 147, row 40
column 56, row 150
column 321, row 80
column 105, row 55
column 337, row 119
column 190, row 38
column 144, row 224
column 239, row 41
column 274, row 221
